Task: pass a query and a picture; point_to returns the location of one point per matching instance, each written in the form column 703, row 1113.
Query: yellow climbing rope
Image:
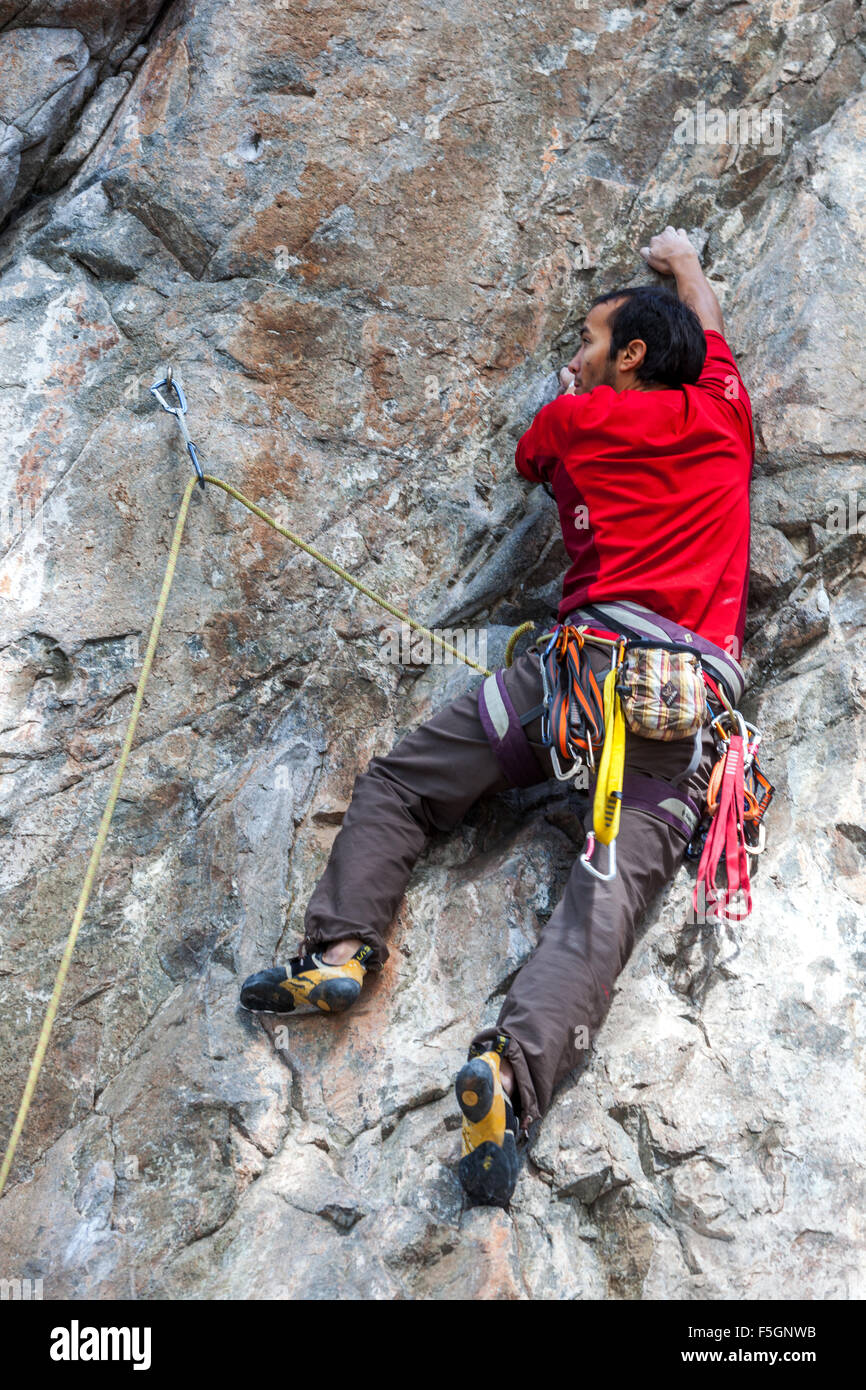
column 60, row 980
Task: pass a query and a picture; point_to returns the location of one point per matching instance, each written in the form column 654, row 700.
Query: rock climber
column 652, row 439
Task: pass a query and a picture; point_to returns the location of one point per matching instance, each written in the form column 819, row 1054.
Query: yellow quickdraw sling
column 607, row 803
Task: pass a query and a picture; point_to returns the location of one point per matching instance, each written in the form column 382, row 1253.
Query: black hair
column 675, row 344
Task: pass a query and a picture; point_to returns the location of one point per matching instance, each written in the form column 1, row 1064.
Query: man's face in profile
column 591, row 364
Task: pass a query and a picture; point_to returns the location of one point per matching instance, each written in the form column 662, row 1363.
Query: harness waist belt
column 634, row 620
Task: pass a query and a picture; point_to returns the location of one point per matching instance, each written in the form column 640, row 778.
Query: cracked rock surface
column 366, row 242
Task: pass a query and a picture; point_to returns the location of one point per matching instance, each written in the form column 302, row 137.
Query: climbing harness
column 578, row 723
column 665, row 682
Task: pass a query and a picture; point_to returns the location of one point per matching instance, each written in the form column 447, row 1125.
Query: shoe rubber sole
column 327, row 990
column 488, row 1172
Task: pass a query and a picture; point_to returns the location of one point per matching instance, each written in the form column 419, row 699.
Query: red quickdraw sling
column 738, row 796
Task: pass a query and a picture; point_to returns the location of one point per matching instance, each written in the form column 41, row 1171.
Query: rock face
column 366, row 242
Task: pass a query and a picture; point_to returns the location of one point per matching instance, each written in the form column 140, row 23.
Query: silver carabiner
column 589, row 849
column 762, row 842
column 178, row 411
column 557, row 769
column 743, row 730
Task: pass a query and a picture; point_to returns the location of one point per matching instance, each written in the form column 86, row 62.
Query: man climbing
column 648, row 452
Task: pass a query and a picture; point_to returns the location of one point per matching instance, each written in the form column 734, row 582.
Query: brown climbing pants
column 428, row 782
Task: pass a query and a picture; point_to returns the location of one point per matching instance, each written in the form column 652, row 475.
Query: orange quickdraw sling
column 572, row 725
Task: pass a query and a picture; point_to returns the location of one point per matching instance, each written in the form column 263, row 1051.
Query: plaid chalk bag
column 662, row 690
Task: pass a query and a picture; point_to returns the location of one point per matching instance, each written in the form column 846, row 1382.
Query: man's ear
column 633, row 355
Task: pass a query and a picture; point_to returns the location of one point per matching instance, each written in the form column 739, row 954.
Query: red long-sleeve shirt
column 653, row 495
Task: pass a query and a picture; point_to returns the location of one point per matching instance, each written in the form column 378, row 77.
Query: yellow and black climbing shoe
column 308, row 981
column 489, row 1165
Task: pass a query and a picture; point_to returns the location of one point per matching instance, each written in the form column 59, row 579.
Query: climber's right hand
column 668, row 249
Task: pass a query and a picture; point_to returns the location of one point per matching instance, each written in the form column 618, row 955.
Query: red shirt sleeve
column 548, row 438
column 720, row 378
